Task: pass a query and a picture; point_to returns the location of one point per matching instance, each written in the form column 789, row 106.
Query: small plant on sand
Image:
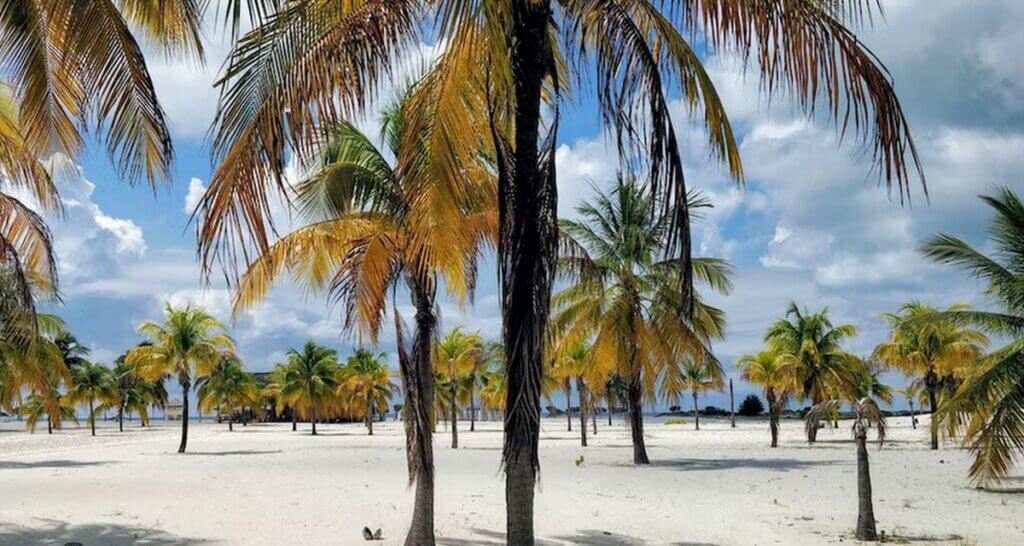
column 675, row 421
column 751, row 406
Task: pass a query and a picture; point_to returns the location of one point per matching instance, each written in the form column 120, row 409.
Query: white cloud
column 196, row 189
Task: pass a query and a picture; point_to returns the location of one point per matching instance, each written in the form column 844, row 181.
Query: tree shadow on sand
column 590, row 537
column 56, row 463
column 706, row 465
column 235, row 452
column 50, row 531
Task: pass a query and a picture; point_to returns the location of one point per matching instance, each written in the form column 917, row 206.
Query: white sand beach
column 264, row 484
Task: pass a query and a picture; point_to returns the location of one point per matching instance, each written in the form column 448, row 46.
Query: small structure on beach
column 173, row 411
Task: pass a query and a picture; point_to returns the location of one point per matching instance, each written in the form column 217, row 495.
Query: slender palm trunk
column 369, row 412
column 581, row 387
column 454, row 409
column 568, row 402
column 472, row 404
column 696, row 412
column 313, row 417
column 609, row 399
column 231, row 421
column 931, row 382
column 49, row 426
column 593, row 415
column 185, row 383
column 527, row 250
column 120, row 417
column 295, row 420
column 92, row 418
column 913, row 416
column 418, row 385
column 865, row 510
column 636, row 418
column 773, row 416
column 732, row 410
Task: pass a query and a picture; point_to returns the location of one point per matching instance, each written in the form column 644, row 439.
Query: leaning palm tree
column 364, row 242
column 924, row 347
column 188, row 344
column 92, row 383
column 627, row 297
column 365, row 381
column 775, row 374
column 988, row 406
column 227, row 390
column 812, row 346
column 313, row 62
column 866, row 413
column 310, row 380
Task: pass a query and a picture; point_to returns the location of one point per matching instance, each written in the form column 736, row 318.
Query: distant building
column 173, row 411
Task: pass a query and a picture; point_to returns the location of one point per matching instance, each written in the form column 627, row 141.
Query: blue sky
column 812, row 224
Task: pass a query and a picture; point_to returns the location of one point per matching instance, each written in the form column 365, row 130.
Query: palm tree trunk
column 369, row 412
column 636, row 418
column 185, row 383
column 527, row 250
column 120, row 418
column 931, row 383
column 568, row 402
column 593, row 414
column 231, row 421
column 49, row 425
column 696, row 412
column 295, row 420
column 610, row 402
column 773, row 417
column 92, row 418
column 313, row 417
column 865, row 511
column 472, row 402
column 418, row 386
column 581, row 387
column 913, row 417
column 454, row 411
column 732, row 410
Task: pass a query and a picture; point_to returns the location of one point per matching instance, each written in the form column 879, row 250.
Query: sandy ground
column 264, row 484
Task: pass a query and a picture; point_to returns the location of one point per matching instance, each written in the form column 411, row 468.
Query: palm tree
column 696, row 377
column 577, row 362
column 188, row 344
column 314, row 62
column 812, row 346
column 458, row 355
column 310, row 380
column 130, row 393
column 987, row 406
column 912, row 392
column 366, row 381
column 51, row 403
column 272, row 390
column 935, row 351
column 865, row 414
column 91, row 383
column 228, row 389
column 775, row 374
column 71, row 351
column 367, row 238
column 628, row 298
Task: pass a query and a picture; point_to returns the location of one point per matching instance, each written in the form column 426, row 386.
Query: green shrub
column 751, row 406
column 675, row 421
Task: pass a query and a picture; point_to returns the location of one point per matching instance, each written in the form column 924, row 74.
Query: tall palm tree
column 628, row 297
column 813, row 347
column 577, row 362
column 228, row 389
column 987, row 407
column 458, row 355
column 314, row 62
column 698, row 377
column 366, row 239
column 365, row 380
column 933, row 350
column 188, row 344
column 775, row 374
column 866, row 414
column 310, row 380
column 91, row 383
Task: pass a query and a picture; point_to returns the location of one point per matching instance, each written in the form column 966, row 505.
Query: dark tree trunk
column 120, row 418
column 185, row 383
column 92, row 418
column 231, row 422
column 581, row 386
column 696, row 412
column 568, row 403
column 295, row 420
column 865, row 511
column 472, row 402
column 609, row 400
column 913, row 417
column 527, row 250
column 594, row 405
column 418, row 386
column 732, row 411
column 931, row 383
column 773, row 416
column 312, row 417
column 454, row 410
column 636, row 419
column 369, row 412
column 49, row 426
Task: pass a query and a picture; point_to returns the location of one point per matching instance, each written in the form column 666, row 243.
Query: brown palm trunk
column 568, row 403
column 369, row 412
column 913, row 417
column 773, row 417
column 49, row 425
column 527, row 250
column 581, row 386
column 295, row 419
column 92, row 418
column 696, row 412
column 231, row 422
column 472, row 402
column 454, row 410
column 312, row 417
column 865, row 511
column 120, row 418
column 931, row 382
column 636, row 419
column 418, row 386
column 608, row 399
column 732, row 410
column 185, row 383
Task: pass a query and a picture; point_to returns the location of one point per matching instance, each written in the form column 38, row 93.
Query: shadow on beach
column 57, row 463
column 591, row 537
column 52, row 531
column 700, row 465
